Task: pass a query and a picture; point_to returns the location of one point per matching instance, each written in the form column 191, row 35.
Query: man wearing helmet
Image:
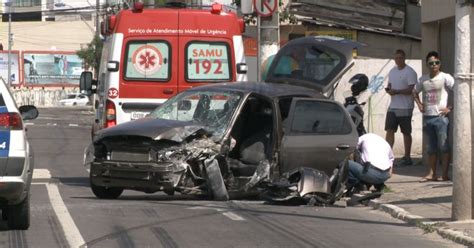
column 401, row 80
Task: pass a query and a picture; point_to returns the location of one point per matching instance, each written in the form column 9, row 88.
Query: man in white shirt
column 435, row 108
column 374, row 165
column 401, row 80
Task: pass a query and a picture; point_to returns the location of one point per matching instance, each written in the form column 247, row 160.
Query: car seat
column 256, row 146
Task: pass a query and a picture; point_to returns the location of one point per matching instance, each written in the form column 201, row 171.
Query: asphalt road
column 65, row 213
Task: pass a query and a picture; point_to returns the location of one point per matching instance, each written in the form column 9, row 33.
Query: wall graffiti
column 376, row 84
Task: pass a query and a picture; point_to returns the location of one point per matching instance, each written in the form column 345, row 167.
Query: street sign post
column 265, row 8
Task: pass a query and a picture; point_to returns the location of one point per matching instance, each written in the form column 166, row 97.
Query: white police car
column 16, row 161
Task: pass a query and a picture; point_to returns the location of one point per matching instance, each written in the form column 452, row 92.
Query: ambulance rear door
column 150, row 70
column 208, row 49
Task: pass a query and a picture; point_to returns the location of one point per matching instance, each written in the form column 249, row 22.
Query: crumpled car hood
column 156, row 129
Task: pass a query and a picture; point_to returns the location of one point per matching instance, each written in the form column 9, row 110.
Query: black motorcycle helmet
column 359, row 83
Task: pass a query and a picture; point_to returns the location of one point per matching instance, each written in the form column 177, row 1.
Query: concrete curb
column 423, row 223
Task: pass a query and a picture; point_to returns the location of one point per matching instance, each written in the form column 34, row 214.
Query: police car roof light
column 11, row 120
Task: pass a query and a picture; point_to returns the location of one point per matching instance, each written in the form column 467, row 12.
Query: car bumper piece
column 151, row 176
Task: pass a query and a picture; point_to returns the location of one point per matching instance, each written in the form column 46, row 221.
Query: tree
column 91, row 53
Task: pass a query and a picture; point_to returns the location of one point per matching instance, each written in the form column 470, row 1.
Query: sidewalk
column 425, row 205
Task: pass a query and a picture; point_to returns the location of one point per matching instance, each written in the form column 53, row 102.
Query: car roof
column 271, row 90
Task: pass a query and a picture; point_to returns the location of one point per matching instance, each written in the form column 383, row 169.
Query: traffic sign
column 265, row 8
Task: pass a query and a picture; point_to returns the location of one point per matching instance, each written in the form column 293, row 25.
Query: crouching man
column 373, row 163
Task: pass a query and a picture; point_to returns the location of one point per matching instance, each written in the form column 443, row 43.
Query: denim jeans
column 436, row 130
column 372, row 175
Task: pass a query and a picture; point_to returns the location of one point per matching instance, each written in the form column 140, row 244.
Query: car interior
column 253, row 135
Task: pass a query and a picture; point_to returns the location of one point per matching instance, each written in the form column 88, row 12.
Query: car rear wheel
column 18, row 216
column 106, row 193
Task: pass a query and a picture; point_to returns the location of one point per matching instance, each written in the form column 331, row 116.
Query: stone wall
column 40, row 97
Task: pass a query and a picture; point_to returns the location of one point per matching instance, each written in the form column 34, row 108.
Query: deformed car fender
column 300, row 186
column 310, row 180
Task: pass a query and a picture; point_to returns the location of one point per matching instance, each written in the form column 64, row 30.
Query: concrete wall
column 439, row 36
column 40, row 97
column 384, row 46
column 378, row 45
column 434, row 10
column 377, row 100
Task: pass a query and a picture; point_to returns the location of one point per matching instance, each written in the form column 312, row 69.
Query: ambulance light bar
column 216, row 8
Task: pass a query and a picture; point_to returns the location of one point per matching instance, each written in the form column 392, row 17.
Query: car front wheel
column 106, row 193
column 18, row 216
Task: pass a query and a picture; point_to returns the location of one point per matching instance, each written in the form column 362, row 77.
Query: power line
column 92, row 9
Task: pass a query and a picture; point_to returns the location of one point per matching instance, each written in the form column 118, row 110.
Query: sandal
column 427, row 179
column 443, row 179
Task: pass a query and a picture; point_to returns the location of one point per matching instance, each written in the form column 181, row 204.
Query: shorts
column 435, row 129
column 392, row 121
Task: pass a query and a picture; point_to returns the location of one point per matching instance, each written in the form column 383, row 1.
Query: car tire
column 106, row 193
column 215, row 181
column 18, row 216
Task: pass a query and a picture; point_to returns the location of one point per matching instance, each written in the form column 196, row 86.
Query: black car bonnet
column 156, row 129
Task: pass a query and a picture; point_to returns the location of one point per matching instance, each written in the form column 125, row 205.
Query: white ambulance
column 150, row 55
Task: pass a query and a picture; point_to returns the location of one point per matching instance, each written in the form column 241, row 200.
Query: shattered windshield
column 211, row 109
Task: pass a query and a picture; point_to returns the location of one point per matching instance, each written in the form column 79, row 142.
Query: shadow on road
column 73, row 181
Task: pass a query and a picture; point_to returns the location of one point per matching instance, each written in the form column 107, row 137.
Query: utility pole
column 462, row 208
column 97, row 23
column 268, row 32
column 8, row 3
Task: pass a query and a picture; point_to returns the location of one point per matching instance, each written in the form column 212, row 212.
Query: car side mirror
column 28, row 112
column 241, row 68
column 86, row 82
column 184, row 105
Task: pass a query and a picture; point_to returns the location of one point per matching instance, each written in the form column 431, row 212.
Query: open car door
column 318, row 133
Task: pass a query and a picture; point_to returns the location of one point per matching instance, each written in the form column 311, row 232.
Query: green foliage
column 91, row 53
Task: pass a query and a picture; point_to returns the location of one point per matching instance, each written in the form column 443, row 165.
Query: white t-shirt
column 435, row 95
column 402, row 79
column 376, row 150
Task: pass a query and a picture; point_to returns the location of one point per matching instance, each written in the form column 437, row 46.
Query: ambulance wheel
column 106, row 193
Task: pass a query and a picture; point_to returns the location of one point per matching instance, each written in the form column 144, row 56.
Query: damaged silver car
column 232, row 139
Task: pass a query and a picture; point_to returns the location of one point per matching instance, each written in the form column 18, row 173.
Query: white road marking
column 226, row 213
column 29, row 124
column 51, row 124
column 73, row 125
column 73, row 236
column 43, row 117
column 41, row 174
column 233, row 216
